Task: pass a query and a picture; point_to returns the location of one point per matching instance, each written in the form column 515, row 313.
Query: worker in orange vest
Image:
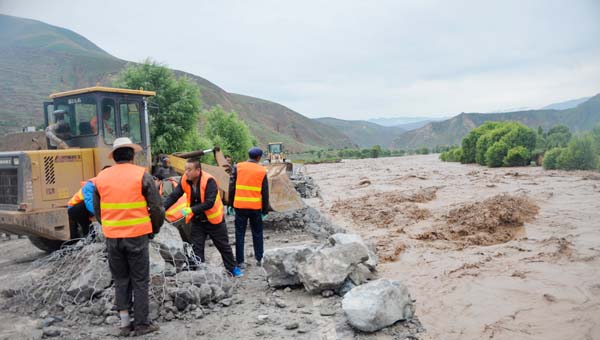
column 249, row 192
column 204, row 209
column 106, row 114
column 80, row 209
column 127, row 204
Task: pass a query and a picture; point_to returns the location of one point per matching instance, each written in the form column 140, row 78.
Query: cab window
column 130, row 120
column 108, row 120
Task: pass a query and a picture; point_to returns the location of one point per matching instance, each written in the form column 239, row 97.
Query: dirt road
column 540, row 282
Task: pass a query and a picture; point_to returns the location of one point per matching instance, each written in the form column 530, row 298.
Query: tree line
column 497, row 144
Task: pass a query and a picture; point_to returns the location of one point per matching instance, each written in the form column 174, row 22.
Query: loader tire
column 45, row 244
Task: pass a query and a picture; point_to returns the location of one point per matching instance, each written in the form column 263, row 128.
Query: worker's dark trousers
column 130, row 268
column 81, row 216
column 218, row 234
column 242, row 216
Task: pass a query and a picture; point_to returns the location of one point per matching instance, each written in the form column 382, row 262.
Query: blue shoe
column 237, row 272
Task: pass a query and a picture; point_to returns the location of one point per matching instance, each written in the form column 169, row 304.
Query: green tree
column 375, row 151
column 551, row 158
column 230, row 133
column 494, row 156
column 469, row 143
column 175, row 127
column 579, row 155
column 558, row 136
column 517, row 156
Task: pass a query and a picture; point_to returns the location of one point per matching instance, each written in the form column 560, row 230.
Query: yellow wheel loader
column 81, row 127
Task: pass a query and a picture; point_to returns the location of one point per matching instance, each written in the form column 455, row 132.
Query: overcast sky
column 356, row 59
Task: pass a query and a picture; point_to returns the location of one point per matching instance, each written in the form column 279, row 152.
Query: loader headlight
column 15, row 160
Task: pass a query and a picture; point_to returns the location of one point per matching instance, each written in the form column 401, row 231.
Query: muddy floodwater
column 505, row 253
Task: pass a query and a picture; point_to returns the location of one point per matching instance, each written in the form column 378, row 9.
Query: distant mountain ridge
column 364, row 133
column 450, row 132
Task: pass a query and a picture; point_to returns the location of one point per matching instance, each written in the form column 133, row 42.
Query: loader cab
column 275, row 152
column 94, row 117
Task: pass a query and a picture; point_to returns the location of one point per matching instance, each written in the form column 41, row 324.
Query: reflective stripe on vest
column 123, row 208
column 248, row 186
column 215, row 213
column 173, row 214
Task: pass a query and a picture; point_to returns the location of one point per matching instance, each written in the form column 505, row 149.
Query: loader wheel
column 45, row 244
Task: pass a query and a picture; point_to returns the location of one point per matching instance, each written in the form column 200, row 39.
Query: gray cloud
column 356, row 59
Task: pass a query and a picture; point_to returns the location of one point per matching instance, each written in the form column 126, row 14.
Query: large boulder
column 281, row 264
column 172, row 247
column 93, row 277
column 377, row 304
column 341, row 238
column 329, row 267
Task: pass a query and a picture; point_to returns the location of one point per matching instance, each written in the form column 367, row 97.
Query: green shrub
column 452, row 155
column 551, row 158
column 517, row 156
column 469, row 143
column 495, row 154
column 579, row 155
column 520, row 135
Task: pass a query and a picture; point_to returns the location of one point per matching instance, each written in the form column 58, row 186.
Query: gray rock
column 329, row 267
column 157, row 263
column 217, row 293
column 377, row 304
column 170, row 269
column 170, row 244
column 361, row 274
column 93, row 278
column 153, row 310
column 198, row 313
column 281, row 264
column 169, row 316
column 227, row 302
column 292, row 325
column 280, row 303
column 185, row 296
column 36, row 334
column 51, row 331
column 327, row 293
column 341, row 238
column 111, row 320
column 205, row 294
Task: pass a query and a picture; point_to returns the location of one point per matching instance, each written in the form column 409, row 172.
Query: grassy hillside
column 580, row 118
column 364, row 134
column 37, row 59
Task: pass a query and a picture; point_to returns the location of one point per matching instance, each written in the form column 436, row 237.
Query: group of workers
column 126, row 201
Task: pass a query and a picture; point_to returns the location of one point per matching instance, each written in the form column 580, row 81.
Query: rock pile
column 307, row 219
column 344, row 262
column 305, row 185
column 74, row 283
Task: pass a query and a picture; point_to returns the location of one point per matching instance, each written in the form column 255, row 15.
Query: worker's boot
column 145, row 329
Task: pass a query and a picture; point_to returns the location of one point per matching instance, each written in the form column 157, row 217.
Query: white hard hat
column 124, row 142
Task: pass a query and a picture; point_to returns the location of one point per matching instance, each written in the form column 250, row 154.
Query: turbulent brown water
column 506, row 253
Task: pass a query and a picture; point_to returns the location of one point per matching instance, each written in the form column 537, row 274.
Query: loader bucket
column 282, row 195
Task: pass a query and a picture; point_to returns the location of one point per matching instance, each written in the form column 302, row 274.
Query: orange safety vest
column 248, row 186
column 214, row 214
column 94, row 125
column 78, row 197
column 123, row 208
